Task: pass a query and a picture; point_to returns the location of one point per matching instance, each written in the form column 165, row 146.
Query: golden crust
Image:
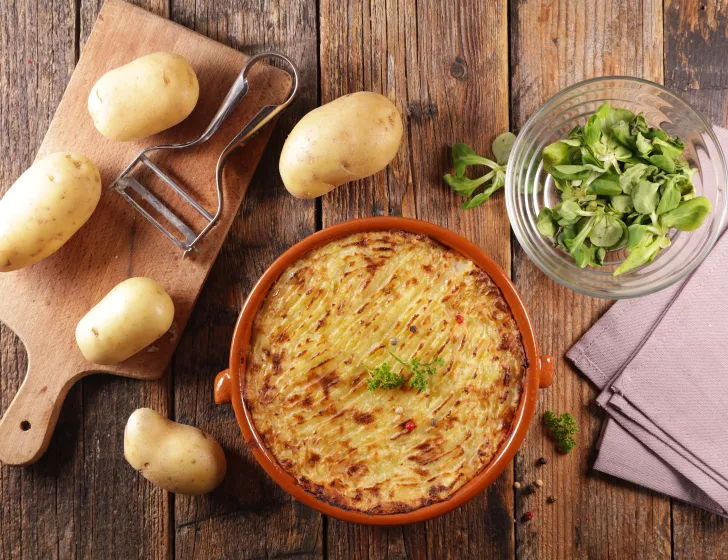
column 340, row 309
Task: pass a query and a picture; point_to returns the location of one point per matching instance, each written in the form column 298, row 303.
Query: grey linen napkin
column 662, row 364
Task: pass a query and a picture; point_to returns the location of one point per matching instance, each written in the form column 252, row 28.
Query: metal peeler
column 233, row 98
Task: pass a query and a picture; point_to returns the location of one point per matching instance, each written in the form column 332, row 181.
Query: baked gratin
column 341, row 311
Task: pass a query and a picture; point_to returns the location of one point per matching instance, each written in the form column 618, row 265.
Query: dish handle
column 223, row 383
column 545, row 379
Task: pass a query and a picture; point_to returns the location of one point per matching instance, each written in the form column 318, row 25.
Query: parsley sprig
column 382, row 377
column 562, row 429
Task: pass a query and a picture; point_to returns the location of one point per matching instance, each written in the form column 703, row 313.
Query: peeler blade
column 127, row 182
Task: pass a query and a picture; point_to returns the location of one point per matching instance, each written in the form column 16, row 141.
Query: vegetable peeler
column 190, row 239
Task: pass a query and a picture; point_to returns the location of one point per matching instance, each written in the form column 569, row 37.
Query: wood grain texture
column 696, row 45
column 445, row 67
column 249, row 516
column 134, row 519
column 40, row 514
column 449, row 74
column 554, row 45
column 116, row 243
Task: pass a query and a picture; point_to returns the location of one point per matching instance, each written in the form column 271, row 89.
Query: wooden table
column 462, row 73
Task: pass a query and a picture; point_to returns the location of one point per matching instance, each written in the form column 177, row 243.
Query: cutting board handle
column 28, row 424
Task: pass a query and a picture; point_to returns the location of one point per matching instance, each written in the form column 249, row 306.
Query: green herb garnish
column 464, row 156
column 383, row 377
column 623, row 184
column 562, row 429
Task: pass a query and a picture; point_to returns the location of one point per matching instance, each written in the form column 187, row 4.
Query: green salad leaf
column 688, row 216
column 502, row 146
column 623, row 184
column 464, row 156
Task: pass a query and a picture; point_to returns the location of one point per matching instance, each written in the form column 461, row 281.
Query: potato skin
column 148, row 95
column 45, row 207
column 179, row 458
column 130, row 317
column 349, row 138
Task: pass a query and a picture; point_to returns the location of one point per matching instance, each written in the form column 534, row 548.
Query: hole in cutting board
column 25, row 425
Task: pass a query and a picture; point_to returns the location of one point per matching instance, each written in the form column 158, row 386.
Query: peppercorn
column 459, row 318
column 531, row 488
column 393, row 342
column 541, row 461
column 409, row 426
column 433, row 422
column 399, row 410
column 516, row 485
column 413, row 329
column 539, row 483
column 527, row 516
column 550, row 499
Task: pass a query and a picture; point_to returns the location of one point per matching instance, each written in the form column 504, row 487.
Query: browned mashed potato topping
column 340, row 309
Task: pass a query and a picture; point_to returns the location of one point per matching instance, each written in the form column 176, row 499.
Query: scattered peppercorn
column 527, row 516
column 550, row 499
column 516, row 485
column 413, row 329
column 539, row 483
column 399, row 410
column 531, row 488
column 459, row 318
column 409, row 426
column 433, row 422
column 541, row 461
column 393, row 342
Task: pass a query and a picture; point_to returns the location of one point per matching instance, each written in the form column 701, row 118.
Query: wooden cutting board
column 43, row 303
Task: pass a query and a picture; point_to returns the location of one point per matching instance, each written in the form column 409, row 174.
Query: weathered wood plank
column 695, row 48
column 40, row 511
column 125, row 516
column 441, row 66
column 446, row 68
column 249, row 516
column 554, row 45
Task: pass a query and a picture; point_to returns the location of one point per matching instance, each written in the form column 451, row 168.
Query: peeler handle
column 266, row 114
column 239, row 90
column 262, row 118
column 233, row 98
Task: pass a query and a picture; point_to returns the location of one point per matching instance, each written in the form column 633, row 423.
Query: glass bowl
column 529, row 188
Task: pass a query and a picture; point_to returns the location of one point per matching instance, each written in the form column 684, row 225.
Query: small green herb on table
column 464, row 156
column 562, row 429
column 623, row 184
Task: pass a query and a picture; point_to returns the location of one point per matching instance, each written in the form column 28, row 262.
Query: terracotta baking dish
column 228, row 384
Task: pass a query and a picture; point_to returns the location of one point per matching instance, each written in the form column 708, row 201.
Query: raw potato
column 179, row 458
column 146, row 96
column 131, row 316
column 45, row 207
column 350, row 138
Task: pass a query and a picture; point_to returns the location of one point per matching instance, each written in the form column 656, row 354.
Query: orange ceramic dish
column 229, row 384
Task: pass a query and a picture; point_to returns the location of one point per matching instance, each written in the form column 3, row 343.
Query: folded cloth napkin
column 662, row 364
